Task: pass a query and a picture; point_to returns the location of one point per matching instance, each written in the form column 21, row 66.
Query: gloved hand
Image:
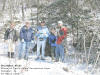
column 32, row 41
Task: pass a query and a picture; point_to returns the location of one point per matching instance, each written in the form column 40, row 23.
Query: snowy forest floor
column 41, row 67
column 81, row 17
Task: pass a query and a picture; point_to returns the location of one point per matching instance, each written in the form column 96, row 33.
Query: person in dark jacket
column 52, row 42
column 10, row 38
column 26, row 37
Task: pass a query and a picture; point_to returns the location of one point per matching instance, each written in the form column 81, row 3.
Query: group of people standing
column 28, row 36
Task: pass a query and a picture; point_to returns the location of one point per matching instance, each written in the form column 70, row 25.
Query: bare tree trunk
column 37, row 12
column 4, row 4
column 23, row 15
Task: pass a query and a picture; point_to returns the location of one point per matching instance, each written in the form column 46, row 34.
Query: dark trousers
column 53, row 52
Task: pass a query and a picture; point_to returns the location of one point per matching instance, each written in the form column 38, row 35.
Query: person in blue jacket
column 41, row 35
column 52, row 42
column 26, row 37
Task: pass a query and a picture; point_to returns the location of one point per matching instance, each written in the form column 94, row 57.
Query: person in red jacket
column 62, row 33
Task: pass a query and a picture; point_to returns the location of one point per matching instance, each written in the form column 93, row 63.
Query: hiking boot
column 9, row 54
column 56, row 60
column 53, row 58
column 19, row 58
column 42, row 58
column 12, row 54
column 25, row 58
column 37, row 58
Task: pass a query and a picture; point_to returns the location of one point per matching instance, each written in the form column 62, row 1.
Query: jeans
column 39, row 45
column 24, row 49
column 59, row 52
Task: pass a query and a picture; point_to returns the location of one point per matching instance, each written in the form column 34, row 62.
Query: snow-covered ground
column 41, row 67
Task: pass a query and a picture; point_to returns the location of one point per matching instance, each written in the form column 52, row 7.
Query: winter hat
column 60, row 22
